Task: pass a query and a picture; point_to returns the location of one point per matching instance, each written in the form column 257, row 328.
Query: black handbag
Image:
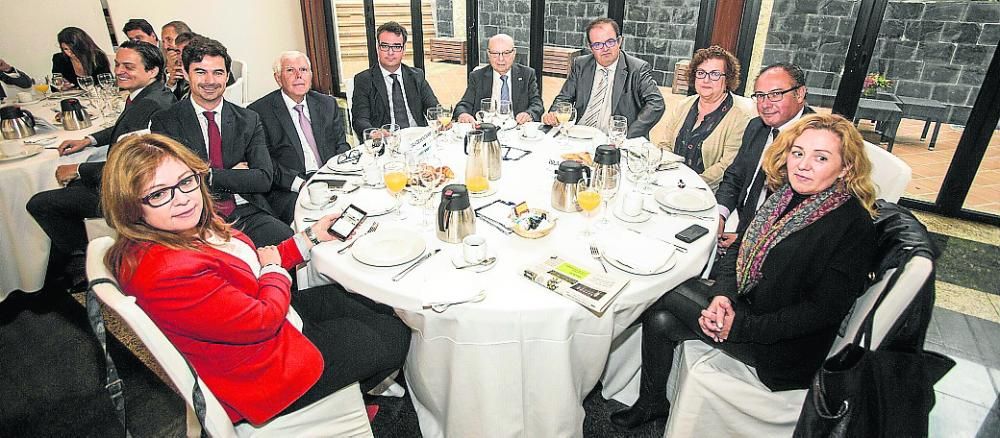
column 860, row 392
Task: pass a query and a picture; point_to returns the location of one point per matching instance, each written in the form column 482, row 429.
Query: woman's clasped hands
column 717, row 319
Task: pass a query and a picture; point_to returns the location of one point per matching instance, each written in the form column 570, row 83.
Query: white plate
column 374, row 202
column 29, row 151
column 389, row 247
column 582, row 132
column 458, row 259
column 348, row 167
column 643, row 215
column 671, row 262
column 627, row 246
column 308, row 205
column 685, row 199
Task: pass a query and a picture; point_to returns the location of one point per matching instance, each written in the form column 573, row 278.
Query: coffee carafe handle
column 586, row 169
column 465, row 145
column 31, row 117
column 442, row 209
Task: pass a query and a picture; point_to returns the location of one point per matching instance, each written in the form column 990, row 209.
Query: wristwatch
column 311, row 236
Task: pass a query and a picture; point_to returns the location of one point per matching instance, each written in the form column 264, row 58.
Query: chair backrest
column 217, row 421
column 889, row 173
column 98, row 227
column 238, row 69
column 236, row 93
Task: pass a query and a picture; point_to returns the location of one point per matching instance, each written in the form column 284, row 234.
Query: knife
column 678, row 247
column 402, row 274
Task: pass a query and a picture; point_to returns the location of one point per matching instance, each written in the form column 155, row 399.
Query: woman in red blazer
column 223, row 303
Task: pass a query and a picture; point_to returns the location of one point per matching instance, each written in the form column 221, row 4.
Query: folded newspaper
column 592, row 290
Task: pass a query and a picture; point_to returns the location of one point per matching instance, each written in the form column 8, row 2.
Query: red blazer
column 231, row 326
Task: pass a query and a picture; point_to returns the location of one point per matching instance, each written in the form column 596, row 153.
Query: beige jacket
column 720, row 147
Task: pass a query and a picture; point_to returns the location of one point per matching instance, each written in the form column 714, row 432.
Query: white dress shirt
column 388, row 88
column 311, row 162
column 203, row 121
column 497, row 83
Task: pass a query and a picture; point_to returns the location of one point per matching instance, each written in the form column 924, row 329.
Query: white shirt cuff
column 93, row 141
column 724, row 212
column 301, row 242
column 296, row 183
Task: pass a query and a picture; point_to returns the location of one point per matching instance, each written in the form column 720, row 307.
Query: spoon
column 484, row 262
column 680, row 183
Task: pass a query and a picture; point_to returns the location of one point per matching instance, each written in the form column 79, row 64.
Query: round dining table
column 511, row 358
column 24, row 247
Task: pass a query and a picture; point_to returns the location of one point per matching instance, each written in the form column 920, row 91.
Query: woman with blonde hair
column 787, row 283
column 706, row 128
column 224, row 303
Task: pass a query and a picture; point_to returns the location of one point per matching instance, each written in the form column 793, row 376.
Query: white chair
column 237, row 92
column 339, row 414
column 98, row 227
column 712, row 385
column 889, row 173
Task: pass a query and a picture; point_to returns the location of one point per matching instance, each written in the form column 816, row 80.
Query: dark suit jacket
column 283, row 139
column 635, row 95
column 63, row 65
column 523, row 87
column 370, row 104
column 22, row 81
column 181, row 89
column 152, row 99
column 810, row 280
column 735, row 183
column 243, row 139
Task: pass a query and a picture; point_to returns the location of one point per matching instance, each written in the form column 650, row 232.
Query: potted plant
column 874, row 83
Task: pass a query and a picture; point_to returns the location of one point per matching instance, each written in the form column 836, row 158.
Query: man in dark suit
column 172, row 46
column 609, row 82
column 391, row 92
column 60, row 212
column 504, row 79
column 304, row 129
column 780, row 93
column 12, row 76
column 230, row 138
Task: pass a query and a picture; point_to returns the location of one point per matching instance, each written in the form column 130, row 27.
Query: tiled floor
column 929, row 167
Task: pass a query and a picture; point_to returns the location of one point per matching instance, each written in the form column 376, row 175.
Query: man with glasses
column 609, row 82
column 503, row 79
column 172, row 54
column 228, row 137
column 304, row 129
column 780, row 93
column 391, row 92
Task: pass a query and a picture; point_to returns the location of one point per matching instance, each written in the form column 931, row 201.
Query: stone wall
column 929, row 49
column 443, row 18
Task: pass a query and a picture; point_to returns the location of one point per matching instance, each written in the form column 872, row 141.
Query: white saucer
column 643, row 215
column 308, row 205
column 30, row 102
column 489, row 192
column 458, row 259
column 29, row 151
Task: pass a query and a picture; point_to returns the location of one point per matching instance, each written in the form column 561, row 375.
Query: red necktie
column 226, row 204
column 128, row 101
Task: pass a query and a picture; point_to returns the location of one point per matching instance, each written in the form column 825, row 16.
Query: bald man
column 504, row 79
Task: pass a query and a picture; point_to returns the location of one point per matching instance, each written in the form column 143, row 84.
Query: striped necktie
column 591, row 117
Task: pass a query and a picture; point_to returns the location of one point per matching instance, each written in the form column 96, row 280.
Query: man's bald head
column 500, row 48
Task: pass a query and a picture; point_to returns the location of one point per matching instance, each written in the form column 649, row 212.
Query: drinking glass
column 58, row 81
column 606, row 184
column 588, row 200
column 390, row 139
column 42, row 89
column 653, row 155
column 427, row 176
column 86, row 83
column 444, row 119
column 566, row 115
column 618, row 130
column 395, row 177
column 505, row 113
column 487, row 112
column 432, row 118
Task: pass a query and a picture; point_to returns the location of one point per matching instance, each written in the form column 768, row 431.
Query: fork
column 371, row 229
column 596, row 253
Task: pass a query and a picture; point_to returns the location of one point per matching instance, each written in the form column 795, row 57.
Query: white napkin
column 643, row 254
column 374, row 201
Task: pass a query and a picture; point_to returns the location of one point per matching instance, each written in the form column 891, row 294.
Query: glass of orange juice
column 589, row 200
column 42, row 89
column 395, row 176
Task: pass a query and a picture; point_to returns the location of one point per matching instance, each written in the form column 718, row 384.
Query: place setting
column 474, row 255
column 694, row 202
column 320, row 197
column 11, row 150
column 637, row 254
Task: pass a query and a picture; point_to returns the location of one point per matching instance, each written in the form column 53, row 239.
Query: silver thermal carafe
column 569, row 181
column 455, row 218
column 484, row 150
column 607, row 166
column 74, row 116
column 16, row 123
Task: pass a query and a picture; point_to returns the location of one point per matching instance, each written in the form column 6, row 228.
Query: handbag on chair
column 860, row 392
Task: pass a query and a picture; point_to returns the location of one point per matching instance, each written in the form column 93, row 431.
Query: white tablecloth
column 24, row 247
column 520, row 362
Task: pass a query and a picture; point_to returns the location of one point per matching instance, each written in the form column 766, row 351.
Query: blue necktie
column 504, row 89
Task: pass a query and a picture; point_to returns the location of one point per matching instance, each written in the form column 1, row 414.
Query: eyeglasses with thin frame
column 715, row 75
column 163, row 196
column 352, row 156
column 504, row 53
column 395, row 48
column 773, row 96
column 609, row 44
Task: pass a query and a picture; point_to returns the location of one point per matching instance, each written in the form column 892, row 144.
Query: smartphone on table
column 692, row 233
column 347, row 222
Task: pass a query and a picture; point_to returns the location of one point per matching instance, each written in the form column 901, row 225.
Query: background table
column 24, row 247
column 520, row 362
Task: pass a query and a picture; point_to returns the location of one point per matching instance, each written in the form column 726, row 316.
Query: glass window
column 984, row 195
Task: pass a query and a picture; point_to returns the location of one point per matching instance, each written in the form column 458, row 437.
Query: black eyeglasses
column 501, row 54
column 601, row 45
column 163, row 196
column 390, row 47
column 715, row 75
column 352, row 156
column 773, row 96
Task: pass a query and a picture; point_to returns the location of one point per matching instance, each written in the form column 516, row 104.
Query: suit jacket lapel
column 517, row 89
column 382, row 95
column 287, row 124
column 584, row 85
column 192, row 130
column 621, row 73
column 485, row 86
column 320, row 116
column 413, row 98
column 229, row 132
